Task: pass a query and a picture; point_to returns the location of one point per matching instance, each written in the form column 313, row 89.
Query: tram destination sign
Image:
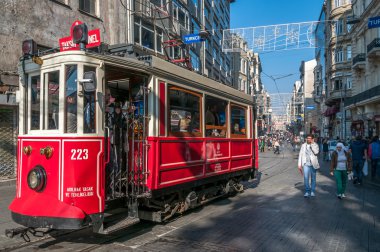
column 374, row 22
column 67, row 44
column 192, row 38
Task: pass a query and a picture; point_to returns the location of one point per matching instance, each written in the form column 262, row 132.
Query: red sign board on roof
column 67, row 44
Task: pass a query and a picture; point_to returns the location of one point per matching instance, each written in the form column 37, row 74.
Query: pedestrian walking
column 325, row 147
column 277, row 147
column 262, row 145
column 358, row 150
column 341, row 164
column 374, row 155
column 308, row 165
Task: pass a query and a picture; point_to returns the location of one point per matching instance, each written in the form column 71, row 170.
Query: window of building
column 185, row 112
column 216, row 117
column 181, row 15
column 195, row 61
column 159, row 41
column 338, row 85
column 338, row 3
column 214, row 53
column 158, row 3
column 339, row 27
column 207, row 12
column 214, row 26
column 338, row 55
column 243, row 85
column 349, row 28
column 196, row 7
column 238, row 121
column 349, row 53
column 244, row 67
column 88, row 6
column 349, row 83
column 195, row 28
column 145, row 35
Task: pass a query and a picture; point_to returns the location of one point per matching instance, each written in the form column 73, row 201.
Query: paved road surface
column 271, row 215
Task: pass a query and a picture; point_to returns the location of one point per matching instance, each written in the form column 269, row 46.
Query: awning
column 330, row 111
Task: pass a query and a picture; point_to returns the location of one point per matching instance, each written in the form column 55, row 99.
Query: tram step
column 121, row 224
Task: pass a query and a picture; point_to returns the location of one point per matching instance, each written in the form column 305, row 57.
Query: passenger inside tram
column 184, row 122
column 215, row 117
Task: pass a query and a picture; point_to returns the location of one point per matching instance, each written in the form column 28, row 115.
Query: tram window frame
column 93, row 100
column 219, row 131
column 169, row 109
column 232, row 121
column 29, row 108
column 71, row 99
column 47, row 98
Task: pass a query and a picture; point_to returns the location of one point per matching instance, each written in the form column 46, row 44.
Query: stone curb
column 8, row 182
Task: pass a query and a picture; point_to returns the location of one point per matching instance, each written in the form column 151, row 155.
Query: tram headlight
column 80, row 34
column 37, row 179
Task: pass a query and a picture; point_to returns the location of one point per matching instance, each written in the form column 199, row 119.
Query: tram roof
column 166, row 70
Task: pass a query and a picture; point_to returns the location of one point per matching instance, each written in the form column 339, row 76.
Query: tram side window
column 89, row 107
column 71, row 98
column 238, row 121
column 35, row 103
column 215, row 117
column 52, row 91
column 184, row 110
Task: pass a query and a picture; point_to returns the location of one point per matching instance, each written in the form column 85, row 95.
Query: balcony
column 373, row 49
column 358, row 62
column 363, row 96
column 334, row 96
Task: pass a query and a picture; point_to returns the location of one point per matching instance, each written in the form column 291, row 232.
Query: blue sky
column 250, row 13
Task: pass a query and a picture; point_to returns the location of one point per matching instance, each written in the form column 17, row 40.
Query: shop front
column 357, row 128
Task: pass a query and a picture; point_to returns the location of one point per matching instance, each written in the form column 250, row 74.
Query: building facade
column 295, row 109
column 151, row 26
column 310, row 111
column 364, row 104
column 320, row 88
column 338, row 56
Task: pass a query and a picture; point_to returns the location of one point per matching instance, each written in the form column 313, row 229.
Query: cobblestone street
column 271, row 215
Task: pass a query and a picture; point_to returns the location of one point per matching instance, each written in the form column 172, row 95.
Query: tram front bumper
column 51, row 213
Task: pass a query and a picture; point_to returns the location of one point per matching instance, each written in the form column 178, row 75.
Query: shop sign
column 67, row 44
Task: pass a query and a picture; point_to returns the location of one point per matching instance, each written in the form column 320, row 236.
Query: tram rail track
column 72, row 239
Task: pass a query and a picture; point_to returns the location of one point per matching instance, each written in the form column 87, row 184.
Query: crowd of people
column 272, row 142
column 351, row 156
column 352, row 159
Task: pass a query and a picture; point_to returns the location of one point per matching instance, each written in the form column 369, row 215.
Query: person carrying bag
column 308, row 165
column 341, row 165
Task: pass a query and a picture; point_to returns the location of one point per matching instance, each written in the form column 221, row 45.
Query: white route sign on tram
column 273, row 37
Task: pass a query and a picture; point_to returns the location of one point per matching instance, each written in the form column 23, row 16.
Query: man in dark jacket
column 374, row 155
column 358, row 149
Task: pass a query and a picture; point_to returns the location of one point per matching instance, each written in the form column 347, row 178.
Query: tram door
column 126, row 128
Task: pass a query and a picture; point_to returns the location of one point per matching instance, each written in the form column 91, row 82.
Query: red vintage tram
column 103, row 133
